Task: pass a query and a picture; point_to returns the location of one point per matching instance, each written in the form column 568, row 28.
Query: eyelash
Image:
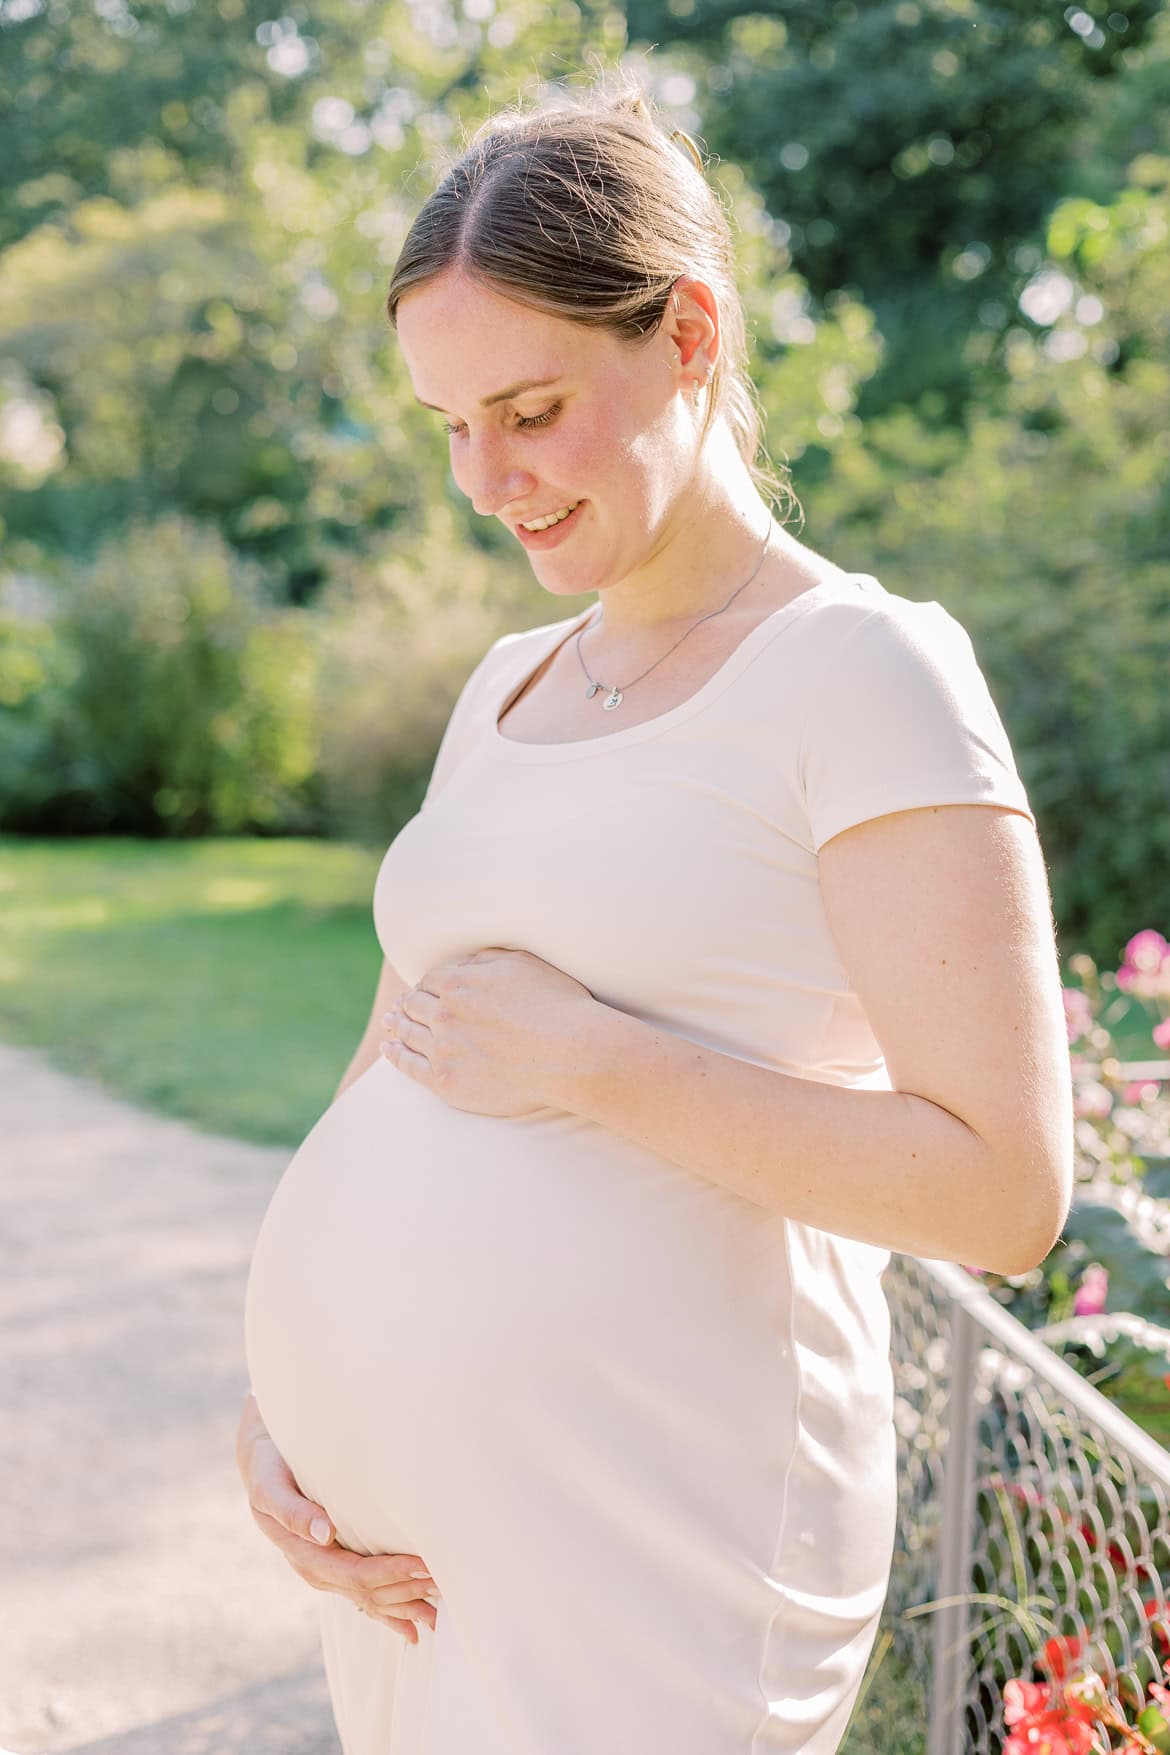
column 536, row 420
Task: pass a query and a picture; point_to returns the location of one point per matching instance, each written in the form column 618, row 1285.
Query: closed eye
column 535, row 420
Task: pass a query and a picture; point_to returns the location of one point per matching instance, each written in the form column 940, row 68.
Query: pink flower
column 1145, row 1090
column 1146, row 950
column 1161, row 1033
column 1078, row 1014
column 1092, row 1291
column 1146, row 966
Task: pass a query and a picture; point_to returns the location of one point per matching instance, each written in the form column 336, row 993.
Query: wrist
column 592, row 1050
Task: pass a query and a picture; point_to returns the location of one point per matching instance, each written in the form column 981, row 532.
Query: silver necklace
column 615, row 696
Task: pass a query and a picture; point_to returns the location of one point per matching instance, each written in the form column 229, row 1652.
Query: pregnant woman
column 718, row 963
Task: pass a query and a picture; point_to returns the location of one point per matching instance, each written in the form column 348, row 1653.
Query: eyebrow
column 499, row 395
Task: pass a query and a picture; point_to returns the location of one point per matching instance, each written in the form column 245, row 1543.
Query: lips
column 552, row 534
column 533, row 516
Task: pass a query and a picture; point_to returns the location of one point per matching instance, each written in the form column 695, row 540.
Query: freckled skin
column 666, row 523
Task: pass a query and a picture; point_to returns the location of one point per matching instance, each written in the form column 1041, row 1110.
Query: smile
column 551, row 518
column 551, row 531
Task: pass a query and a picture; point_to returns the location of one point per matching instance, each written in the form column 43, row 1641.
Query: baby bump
column 435, row 1293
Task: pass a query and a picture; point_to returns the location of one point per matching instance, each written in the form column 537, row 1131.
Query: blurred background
column 239, row 590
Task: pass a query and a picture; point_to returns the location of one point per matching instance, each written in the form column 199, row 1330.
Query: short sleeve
column 900, row 716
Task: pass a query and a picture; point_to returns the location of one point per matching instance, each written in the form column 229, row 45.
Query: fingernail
column 423, row 1574
column 319, row 1530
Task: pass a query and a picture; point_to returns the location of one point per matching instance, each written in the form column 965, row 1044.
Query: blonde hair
column 584, row 208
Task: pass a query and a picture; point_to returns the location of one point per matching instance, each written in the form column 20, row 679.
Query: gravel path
column 141, row 1611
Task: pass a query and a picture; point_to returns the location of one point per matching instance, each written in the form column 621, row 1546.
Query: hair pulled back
column 584, row 208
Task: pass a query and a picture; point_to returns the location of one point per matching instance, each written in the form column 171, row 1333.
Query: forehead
column 463, row 341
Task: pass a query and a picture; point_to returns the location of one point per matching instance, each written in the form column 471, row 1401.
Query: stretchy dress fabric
column 639, row 1428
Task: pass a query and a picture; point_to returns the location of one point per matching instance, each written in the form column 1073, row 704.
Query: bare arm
column 395, row 1589
column 390, row 985
column 942, row 917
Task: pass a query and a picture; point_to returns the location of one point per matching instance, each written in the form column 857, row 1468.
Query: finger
column 324, row 1568
column 405, row 1060
column 415, row 1034
column 401, row 1623
column 423, row 1009
column 407, row 1629
column 413, row 1609
column 404, row 1615
column 358, row 1574
column 402, row 1586
column 393, row 1597
column 276, row 1493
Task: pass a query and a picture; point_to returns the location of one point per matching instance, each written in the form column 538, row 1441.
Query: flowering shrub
column 1102, row 1291
column 1058, row 1718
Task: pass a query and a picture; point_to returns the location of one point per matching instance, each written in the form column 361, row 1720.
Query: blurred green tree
column 911, row 152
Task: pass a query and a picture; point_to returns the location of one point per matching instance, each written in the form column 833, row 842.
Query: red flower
column 1057, row 1653
column 1115, row 1554
column 1158, row 1606
column 1064, row 1729
column 1022, row 1699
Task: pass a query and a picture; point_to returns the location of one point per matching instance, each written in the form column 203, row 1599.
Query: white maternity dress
column 639, row 1428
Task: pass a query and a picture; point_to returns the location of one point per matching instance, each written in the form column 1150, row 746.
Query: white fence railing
column 1017, row 1479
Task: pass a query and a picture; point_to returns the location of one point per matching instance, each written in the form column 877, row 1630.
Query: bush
column 162, row 695
column 396, row 639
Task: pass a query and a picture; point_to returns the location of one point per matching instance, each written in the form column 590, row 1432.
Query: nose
column 484, row 472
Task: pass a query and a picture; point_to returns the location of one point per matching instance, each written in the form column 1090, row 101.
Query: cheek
column 618, row 457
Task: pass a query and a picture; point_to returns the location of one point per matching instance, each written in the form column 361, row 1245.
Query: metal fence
column 1017, row 1479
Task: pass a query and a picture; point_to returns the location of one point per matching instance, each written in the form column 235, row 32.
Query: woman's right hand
column 392, row 1588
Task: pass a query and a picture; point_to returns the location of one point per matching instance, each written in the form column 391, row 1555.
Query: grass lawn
column 226, row 981
column 891, row 1716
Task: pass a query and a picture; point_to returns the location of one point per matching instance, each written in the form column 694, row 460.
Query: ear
column 692, row 320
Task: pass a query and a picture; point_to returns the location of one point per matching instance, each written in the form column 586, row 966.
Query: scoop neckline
column 737, row 660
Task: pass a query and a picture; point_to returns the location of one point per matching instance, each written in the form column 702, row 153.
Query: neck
column 708, row 552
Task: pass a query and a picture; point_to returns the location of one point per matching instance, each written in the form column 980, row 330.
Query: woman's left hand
column 492, row 1032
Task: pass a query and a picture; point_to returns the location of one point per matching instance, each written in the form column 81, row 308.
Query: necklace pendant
column 591, row 690
column 612, row 700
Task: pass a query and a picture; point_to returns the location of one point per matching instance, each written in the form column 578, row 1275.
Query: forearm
column 884, row 1167
column 365, row 1057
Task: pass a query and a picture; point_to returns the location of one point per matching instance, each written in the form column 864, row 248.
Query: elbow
column 1015, row 1267
column 1035, row 1233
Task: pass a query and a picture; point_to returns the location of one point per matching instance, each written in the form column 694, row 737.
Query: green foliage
column 911, row 151
column 954, row 246
column 1046, row 530
column 893, row 1706
column 163, row 695
column 395, row 636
